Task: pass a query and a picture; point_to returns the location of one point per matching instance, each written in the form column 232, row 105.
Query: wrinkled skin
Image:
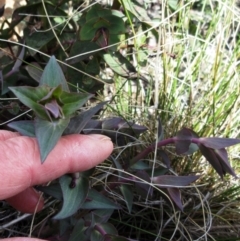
column 21, row 168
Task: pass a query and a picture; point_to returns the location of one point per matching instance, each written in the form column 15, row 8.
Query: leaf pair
column 52, row 104
column 212, row 148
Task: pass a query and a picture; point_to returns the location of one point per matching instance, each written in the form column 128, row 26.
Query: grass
column 193, row 81
column 198, row 88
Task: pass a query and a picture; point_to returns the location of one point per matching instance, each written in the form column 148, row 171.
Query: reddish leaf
column 218, row 159
column 186, row 134
column 183, row 140
column 223, row 159
column 54, row 108
column 175, row 196
column 101, row 37
column 167, row 181
column 165, row 157
column 212, row 158
column 218, row 143
column 143, row 188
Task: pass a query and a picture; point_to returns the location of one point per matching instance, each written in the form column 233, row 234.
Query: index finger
column 21, row 167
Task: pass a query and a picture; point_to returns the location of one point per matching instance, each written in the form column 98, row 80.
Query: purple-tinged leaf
column 132, row 128
column 218, row 143
column 223, row 158
column 182, row 146
column 175, row 196
column 164, row 157
column 53, row 75
column 166, row 181
column 54, row 108
column 143, row 188
column 83, row 120
column 73, row 198
column 93, row 127
column 183, row 140
column 112, row 123
column 48, row 133
column 101, row 37
column 218, row 159
column 19, row 60
column 25, row 127
column 127, row 193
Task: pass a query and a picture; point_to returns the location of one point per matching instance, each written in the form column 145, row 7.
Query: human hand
column 21, row 168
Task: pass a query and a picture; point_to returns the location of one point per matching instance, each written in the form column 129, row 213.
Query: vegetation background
column 177, row 65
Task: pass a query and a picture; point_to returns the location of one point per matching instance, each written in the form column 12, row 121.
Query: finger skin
column 27, row 201
column 21, row 167
column 5, row 135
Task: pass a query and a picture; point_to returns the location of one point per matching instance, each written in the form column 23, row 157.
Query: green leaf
column 108, row 228
column 34, row 70
column 98, row 18
column 29, row 96
column 96, row 200
column 95, row 235
column 17, row 17
column 73, row 101
column 175, row 195
column 173, row 4
column 82, row 48
column 53, row 190
column 128, row 195
column 37, row 40
column 119, row 64
column 73, row 197
column 97, row 11
column 25, row 127
column 48, row 134
column 78, row 232
column 136, row 9
column 53, row 75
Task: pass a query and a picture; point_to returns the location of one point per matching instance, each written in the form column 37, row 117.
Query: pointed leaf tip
column 53, row 75
column 217, row 142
